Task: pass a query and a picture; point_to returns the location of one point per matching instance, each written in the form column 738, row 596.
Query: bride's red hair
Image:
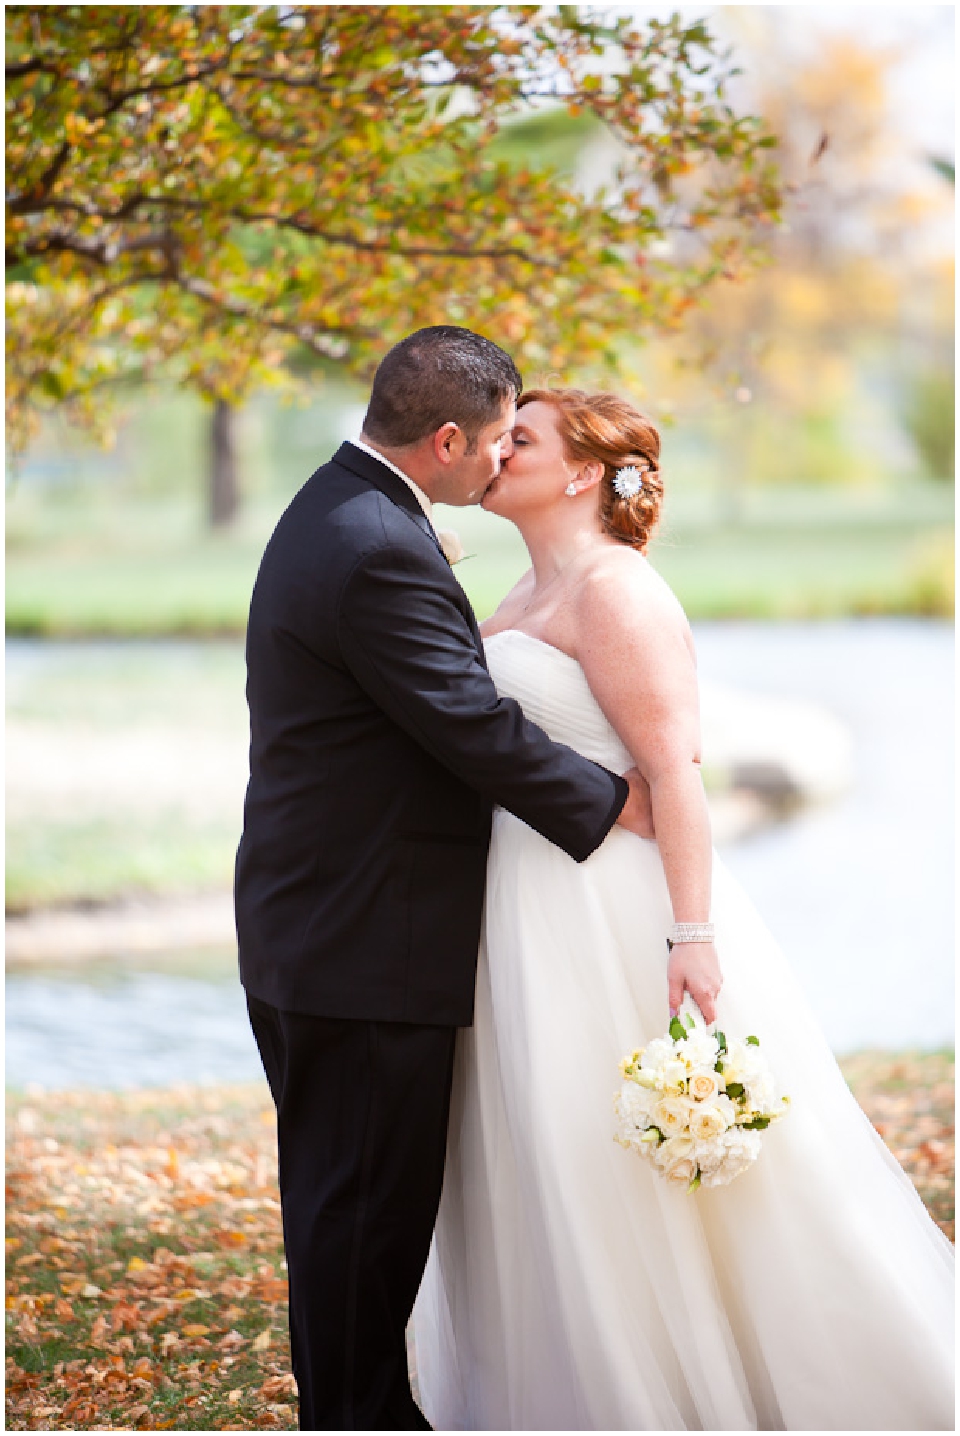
column 608, row 429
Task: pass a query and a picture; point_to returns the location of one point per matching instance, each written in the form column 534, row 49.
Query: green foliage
column 929, row 417
column 553, row 139
column 210, row 191
column 946, row 169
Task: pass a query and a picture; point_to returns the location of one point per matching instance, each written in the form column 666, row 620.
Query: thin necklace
column 538, row 593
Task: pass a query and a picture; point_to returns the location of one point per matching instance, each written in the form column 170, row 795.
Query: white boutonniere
column 453, row 549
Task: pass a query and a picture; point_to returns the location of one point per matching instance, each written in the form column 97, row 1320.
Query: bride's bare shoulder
column 622, row 580
column 510, row 607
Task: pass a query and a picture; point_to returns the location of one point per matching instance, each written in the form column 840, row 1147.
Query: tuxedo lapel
column 367, row 467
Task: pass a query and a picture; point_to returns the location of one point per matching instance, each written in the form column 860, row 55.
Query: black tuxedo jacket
column 379, row 746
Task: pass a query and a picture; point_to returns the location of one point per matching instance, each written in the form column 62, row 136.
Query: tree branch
column 105, row 250
column 320, row 344
column 43, row 185
column 30, row 67
column 102, row 252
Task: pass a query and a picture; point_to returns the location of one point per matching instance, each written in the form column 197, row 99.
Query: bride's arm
column 635, row 649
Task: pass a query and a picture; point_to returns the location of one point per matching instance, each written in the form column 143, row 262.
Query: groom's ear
column 449, row 442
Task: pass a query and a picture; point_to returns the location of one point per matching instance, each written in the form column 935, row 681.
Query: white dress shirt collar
column 418, row 493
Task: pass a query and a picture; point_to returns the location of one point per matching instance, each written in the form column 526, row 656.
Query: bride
column 570, row 1286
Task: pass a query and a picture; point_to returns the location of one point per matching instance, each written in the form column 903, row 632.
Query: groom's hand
column 637, row 812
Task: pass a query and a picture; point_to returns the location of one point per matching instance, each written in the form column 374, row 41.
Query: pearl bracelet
column 692, row 932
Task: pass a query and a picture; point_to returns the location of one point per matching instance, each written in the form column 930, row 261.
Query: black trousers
column 362, row 1111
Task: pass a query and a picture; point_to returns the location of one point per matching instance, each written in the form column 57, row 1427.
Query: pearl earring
column 570, row 490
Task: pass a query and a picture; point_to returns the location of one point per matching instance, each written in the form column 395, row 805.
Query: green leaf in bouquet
column 759, row 1124
column 753, row 1041
column 677, row 1030
column 689, row 1022
column 695, row 1182
column 734, row 1089
column 721, row 1040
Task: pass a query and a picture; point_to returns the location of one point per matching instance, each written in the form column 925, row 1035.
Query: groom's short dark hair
column 436, row 376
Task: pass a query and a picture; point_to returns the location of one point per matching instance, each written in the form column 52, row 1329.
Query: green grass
column 809, row 571
column 180, row 702
column 80, row 565
column 149, row 568
column 57, row 862
column 115, row 543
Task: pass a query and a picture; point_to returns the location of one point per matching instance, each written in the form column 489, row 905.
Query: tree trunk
column 224, row 490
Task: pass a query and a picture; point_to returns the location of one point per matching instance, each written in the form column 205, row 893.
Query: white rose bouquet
column 695, row 1102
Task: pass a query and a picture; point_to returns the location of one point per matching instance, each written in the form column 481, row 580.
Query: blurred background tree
column 248, row 226
column 845, row 341
column 214, row 193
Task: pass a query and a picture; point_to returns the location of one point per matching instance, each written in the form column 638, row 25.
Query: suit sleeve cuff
column 621, row 793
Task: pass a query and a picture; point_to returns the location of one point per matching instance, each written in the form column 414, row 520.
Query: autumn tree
column 853, row 289
column 212, row 193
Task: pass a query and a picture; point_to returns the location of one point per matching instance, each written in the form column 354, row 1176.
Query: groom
column 379, row 747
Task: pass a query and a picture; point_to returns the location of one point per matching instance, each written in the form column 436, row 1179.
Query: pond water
column 859, row 893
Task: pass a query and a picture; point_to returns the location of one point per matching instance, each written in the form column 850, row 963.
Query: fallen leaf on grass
column 276, row 1386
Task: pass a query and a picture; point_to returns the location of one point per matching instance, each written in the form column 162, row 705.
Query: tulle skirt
column 569, row 1286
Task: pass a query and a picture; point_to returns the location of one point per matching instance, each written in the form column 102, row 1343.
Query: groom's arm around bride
column 379, row 746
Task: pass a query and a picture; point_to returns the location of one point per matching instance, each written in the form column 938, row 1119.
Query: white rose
column 671, row 1113
column 704, row 1085
column 683, row 1173
column 674, row 1151
column 707, row 1122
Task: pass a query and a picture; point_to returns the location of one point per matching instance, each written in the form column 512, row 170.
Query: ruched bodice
column 552, row 690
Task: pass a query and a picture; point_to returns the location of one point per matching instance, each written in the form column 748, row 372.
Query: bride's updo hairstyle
column 609, row 430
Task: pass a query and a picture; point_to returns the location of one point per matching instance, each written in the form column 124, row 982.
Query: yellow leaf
column 262, row 1341
column 195, row 1329
column 136, row 1264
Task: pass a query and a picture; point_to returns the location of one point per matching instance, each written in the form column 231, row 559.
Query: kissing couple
column 476, row 869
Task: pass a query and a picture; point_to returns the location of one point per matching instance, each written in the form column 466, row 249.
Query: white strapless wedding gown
column 568, row 1286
